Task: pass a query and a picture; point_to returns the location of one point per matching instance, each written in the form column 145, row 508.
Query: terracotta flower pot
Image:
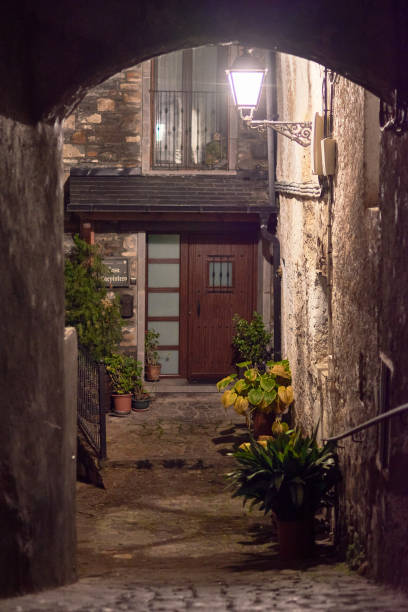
column 296, row 539
column 153, row 372
column 262, row 423
column 122, row 404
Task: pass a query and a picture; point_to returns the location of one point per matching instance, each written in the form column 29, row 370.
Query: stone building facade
column 105, row 129
column 112, row 136
column 334, row 254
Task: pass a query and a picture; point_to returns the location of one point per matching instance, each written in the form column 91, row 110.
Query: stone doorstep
column 179, row 385
column 177, row 463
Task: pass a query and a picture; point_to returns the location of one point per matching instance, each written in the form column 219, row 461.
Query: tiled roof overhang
column 169, row 193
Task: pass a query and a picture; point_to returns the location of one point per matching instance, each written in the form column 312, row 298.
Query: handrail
column 378, row 419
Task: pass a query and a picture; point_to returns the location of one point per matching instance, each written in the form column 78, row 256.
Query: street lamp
column 246, row 78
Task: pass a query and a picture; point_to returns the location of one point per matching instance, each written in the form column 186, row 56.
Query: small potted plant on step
column 141, row 399
column 153, row 367
column 290, row 476
column 124, row 372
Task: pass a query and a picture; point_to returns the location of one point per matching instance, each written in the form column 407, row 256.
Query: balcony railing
column 189, row 130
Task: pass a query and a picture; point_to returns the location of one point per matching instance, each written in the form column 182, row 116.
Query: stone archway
column 68, row 48
column 52, row 53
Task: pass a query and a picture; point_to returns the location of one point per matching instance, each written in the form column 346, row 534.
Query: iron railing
column 91, row 409
column 189, row 130
column 374, row 421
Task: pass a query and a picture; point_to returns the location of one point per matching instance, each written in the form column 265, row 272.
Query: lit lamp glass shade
column 246, row 79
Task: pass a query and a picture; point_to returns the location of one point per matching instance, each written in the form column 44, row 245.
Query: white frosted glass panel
column 168, row 330
column 205, row 69
column 169, row 71
column 164, row 246
column 163, row 305
column 169, row 362
column 164, row 275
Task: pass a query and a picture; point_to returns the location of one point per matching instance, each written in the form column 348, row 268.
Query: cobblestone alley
column 165, row 534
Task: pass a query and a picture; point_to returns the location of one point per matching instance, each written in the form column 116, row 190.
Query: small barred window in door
column 220, row 273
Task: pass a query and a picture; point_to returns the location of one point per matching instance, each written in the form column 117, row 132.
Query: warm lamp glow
column 246, row 80
column 246, row 88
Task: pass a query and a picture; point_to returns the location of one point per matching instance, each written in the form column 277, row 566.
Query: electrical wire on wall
column 328, row 91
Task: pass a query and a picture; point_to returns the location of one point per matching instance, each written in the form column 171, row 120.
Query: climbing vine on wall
column 88, row 307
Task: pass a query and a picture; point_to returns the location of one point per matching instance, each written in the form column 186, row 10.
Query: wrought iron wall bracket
column 394, row 115
column 300, row 132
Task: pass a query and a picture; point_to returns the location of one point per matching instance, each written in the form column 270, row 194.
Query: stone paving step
column 179, row 385
column 170, row 463
column 319, row 589
column 165, row 534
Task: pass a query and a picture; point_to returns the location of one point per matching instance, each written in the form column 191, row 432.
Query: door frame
column 186, row 239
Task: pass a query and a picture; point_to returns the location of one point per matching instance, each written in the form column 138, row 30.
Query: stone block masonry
column 105, row 128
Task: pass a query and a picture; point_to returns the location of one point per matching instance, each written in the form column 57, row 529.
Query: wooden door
column 221, row 282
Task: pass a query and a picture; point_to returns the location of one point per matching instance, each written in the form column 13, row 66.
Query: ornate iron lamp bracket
column 300, row 132
column 394, row 116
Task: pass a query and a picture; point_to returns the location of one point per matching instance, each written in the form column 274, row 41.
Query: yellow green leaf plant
column 269, row 391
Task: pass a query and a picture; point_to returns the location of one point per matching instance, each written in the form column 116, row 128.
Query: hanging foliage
column 88, row 307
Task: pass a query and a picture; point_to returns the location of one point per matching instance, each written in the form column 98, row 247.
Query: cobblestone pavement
column 165, row 534
column 286, row 591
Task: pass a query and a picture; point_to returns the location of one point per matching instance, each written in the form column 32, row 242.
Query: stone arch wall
column 51, row 54
column 91, row 42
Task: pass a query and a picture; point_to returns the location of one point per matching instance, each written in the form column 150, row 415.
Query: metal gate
column 91, row 410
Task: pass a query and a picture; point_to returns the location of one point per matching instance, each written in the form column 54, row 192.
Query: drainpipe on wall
column 267, row 236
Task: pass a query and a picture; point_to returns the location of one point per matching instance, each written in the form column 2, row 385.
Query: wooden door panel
column 214, row 299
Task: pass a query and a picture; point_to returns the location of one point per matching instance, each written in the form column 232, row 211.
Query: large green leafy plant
column 251, row 339
column 87, row 306
column 290, row 475
column 266, row 391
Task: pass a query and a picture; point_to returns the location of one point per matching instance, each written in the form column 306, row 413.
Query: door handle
column 198, row 308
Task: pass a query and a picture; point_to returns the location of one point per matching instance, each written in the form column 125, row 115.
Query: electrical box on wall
column 317, row 137
column 126, row 305
column 328, row 156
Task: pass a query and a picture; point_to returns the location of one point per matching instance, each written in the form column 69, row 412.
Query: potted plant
column 124, row 372
column 153, row 366
column 251, row 340
column 290, row 476
column 262, row 397
column 141, row 399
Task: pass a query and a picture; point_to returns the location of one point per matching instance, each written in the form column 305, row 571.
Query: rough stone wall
column 355, row 294
column 389, row 531
column 368, row 306
column 123, row 245
column 303, row 235
column 36, row 476
column 105, row 128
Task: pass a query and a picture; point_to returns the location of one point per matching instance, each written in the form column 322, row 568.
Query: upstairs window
column 189, row 109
